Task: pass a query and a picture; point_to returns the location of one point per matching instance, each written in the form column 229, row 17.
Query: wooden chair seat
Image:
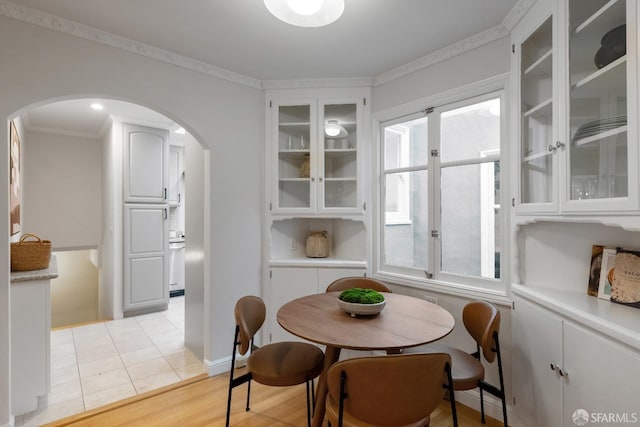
column 285, row 363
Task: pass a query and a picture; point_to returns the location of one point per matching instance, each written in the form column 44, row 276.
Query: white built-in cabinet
column 318, row 144
column 145, row 218
column 576, row 105
column 146, row 164
column 562, row 366
column 288, row 283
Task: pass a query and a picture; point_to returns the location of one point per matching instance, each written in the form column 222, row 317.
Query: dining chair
column 395, row 390
column 278, row 364
column 482, row 321
column 357, row 282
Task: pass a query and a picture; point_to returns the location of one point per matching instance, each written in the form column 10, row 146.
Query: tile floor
column 101, row 363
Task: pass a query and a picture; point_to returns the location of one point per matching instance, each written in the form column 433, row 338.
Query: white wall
column 41, row 65
column 74, row 293
column 62, row 191
column 486, row 61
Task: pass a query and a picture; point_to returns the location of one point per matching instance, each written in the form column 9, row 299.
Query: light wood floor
column 201, row 401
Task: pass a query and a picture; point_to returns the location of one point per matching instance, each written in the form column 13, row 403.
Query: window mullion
column 434, row 194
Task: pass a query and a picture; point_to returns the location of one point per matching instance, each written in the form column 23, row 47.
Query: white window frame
column 400, row 216
column 432, row 278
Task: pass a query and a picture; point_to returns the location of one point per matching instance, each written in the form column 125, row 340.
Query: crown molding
column 465, row 45
column 56, row 23
column 516, row 13
column 318, row 83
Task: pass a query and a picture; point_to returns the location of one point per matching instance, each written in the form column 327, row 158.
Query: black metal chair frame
column 491, row 389
column 247, row 377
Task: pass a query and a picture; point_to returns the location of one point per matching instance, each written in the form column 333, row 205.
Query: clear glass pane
column 536, row 91
column 294, row 160
column 598, row 100
column 406, row 230
column 471, row 132
column 405, row 144
column 340, row 155
column 470, row 241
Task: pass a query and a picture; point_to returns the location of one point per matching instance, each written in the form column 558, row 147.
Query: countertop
column 44, row 274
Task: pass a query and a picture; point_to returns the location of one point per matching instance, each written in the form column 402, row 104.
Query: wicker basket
column 30, row 255
column 317, row 244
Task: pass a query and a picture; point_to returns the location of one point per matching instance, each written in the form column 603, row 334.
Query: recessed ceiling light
column 306, row 13
column 97, row 107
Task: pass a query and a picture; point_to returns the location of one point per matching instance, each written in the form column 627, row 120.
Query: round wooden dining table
column 405, row 322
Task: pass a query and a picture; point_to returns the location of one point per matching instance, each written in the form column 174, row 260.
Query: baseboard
column 492, row 405
column 218, row 366
column 12, row 422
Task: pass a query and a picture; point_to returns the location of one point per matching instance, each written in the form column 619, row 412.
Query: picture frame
column 607, row 273
column 14, row 179
column 594, row 270
column 625, row 287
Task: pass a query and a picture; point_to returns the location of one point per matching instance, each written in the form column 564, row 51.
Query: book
column 594, row 271
column 606, row 273
column 625, row 285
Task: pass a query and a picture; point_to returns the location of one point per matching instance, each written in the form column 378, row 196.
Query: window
column 440, row 193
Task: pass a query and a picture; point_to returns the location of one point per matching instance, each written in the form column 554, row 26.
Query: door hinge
column 513, row 48
column 435, row 233
column 435, row 153
column 428, row 110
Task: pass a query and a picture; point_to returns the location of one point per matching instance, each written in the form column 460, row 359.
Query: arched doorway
column 53, row 121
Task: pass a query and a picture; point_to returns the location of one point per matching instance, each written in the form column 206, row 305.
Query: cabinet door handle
column 551, row 148
column 563, row 373
column 560, row 145
column 165, row 194
column 313, row 179
column 165, row 214
column 320, row 179
column 552, row 366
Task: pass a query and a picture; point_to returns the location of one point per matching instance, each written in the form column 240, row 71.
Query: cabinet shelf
column 286, row 154
column 296, row 179
column 535, row 156
column 294, row 124
column 540, row 109
column 615, row 72
column 541, row 66
column 603, row 17
column 600, row 136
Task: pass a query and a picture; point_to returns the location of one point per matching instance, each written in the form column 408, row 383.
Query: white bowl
column 355, row 309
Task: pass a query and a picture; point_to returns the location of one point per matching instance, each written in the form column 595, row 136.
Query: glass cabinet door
column 537, row 116
column 339, row 159
column 598, row 100
column 294, row 162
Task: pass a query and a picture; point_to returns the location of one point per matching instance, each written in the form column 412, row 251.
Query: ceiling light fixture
column 97, row 107
column 306, row 13
column 334, row 130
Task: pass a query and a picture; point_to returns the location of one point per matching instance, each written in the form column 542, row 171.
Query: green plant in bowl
column 361, row 302
column 361, row 296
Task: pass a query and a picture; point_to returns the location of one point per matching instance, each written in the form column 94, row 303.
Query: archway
column 197, row 248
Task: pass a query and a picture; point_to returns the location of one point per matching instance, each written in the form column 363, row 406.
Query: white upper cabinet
column 578, row 115
column 176, row 171
column 146, row 162
column 316, row 166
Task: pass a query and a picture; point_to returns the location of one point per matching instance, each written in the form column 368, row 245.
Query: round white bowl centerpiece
column 361, row 302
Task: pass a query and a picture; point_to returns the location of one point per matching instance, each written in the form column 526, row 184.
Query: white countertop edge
column 44, row 274
column 613, row 320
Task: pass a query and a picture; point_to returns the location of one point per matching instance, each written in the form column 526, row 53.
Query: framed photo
column 625, row 287
column 14, row 179
column 594, row 271
column 607, row 273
